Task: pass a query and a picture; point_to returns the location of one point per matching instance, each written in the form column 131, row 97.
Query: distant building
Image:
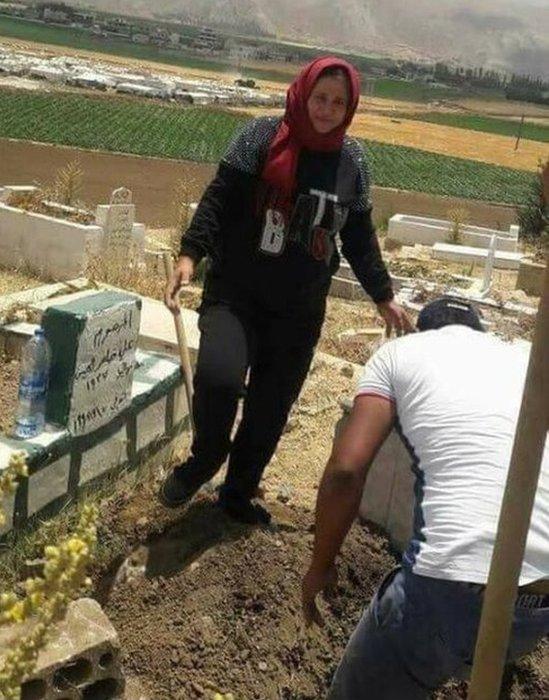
column 208, row 40
column 13, row 8
column 56, row 16
column 83, row 19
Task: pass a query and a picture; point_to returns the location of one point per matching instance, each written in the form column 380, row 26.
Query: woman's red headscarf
column 297, row 132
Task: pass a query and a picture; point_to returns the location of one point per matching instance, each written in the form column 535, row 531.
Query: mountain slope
column 503, row 34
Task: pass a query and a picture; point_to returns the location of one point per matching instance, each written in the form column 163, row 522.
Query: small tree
column 458, row 217
column 67, row 186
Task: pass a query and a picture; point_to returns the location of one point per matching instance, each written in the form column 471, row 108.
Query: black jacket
column 247, row 262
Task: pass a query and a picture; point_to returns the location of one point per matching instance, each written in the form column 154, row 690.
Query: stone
column 93, row 342
column 285, row 493
column 262, row 666
column 81, row 656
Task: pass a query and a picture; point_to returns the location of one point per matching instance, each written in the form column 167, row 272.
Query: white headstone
column 119, row 221
column 489, row 267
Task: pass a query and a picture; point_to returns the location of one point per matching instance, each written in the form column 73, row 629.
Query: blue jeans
column 419, row 632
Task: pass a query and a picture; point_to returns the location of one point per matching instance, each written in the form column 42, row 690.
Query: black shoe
column 176, row 490
column 242, row 509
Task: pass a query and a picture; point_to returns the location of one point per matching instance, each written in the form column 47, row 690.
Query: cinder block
column 8, row 505
column 80, row 660
column 48, row 484
column 103, row 457
column 151, row 423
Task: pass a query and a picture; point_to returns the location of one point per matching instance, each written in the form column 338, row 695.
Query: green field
column 411, row 91
column 491, row 125
column 131, row 125
column 83, row 40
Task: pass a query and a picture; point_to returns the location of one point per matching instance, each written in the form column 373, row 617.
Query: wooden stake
column 182, row 344
column 515, row 515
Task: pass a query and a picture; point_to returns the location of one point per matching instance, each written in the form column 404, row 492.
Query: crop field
column 201, row 134
column 390, row 88
column 490, row 125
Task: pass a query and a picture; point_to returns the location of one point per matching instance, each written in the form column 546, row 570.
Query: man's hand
column 394, row 317
column 315, row 582
column 182, row 275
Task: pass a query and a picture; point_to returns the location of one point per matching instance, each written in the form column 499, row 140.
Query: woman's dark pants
column 277, row 351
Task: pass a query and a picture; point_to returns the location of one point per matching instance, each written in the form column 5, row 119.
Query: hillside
column 500, row 34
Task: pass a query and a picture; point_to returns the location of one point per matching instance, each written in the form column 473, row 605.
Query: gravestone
column 118, row 228
column 489, row 267
column 93, row 341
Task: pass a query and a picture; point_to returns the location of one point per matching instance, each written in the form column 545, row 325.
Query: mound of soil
column 210, row 606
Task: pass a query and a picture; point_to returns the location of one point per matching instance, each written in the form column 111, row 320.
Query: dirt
column 9, row 383
column 203, row 605
column 24, row 163
column 216, row 608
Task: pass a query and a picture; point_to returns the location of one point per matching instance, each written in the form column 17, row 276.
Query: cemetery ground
column 203, row 605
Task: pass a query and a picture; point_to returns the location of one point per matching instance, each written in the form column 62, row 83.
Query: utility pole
column 519, row 134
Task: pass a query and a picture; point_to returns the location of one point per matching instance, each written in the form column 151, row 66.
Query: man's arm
column 340, row 490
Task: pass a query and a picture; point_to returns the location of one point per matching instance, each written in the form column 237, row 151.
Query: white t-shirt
column 457, row 394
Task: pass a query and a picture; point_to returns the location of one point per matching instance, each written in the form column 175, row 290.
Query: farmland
column 201, row 134
column 390, row 88
column 489, row 125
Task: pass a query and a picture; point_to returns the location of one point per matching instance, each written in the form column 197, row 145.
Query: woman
column 267, row 222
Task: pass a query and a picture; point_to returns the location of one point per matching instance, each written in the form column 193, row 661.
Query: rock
column 292, row 424
column 285, row 493
column 347, row 371
column 262, row 666
column 244, row 654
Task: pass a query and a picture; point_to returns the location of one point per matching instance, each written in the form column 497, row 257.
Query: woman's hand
column 395, row 317
column 182, row 275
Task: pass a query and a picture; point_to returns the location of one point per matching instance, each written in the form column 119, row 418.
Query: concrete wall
column 409, row 229
column 530, row 277
column 388, row 201
column 52, row 247
column 503, row 260
column 61, row 465
column 45, row 245
column 388, row 498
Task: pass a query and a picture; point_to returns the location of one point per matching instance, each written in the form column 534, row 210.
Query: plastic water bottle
column 33, row 386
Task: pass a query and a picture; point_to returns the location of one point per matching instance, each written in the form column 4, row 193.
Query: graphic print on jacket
column 256, row 250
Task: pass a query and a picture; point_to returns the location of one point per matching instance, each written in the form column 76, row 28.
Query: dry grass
column 17, row 280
